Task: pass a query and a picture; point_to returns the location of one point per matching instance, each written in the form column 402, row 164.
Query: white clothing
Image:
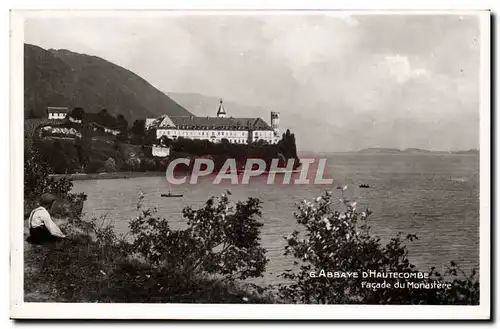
column 40, row 217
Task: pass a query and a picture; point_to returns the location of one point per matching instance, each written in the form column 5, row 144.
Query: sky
column 340, row 82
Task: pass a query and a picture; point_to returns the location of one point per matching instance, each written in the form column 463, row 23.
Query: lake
column 433, row 196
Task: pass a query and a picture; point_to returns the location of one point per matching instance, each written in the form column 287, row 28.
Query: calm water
column 433, row 196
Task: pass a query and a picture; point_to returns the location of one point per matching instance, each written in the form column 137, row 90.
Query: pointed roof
column 57, row 109
column 210, row 123
column 221, row 109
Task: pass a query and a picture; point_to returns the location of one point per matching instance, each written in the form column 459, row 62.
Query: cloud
column 350, row 20
column 361, row 79
column 401, row 69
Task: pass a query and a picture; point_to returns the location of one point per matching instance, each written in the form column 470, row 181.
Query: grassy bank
column 81, row 270
column 96, row 265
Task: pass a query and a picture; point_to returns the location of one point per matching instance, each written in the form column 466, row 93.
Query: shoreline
column 110, row 175
column 123, row 175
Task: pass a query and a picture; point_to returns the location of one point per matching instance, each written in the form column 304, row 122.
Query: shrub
column 221, row 238
column 110, row 165
column 131, row 164
column 147, row 164
column 147, row 150
column 37, row 182
column 61, row 155
column 172, row 264
column 336, row 240
column 83, row 270
column 161, row 163
column 285, row 149
column 95, row 166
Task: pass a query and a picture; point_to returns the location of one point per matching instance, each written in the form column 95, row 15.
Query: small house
column 56, row 113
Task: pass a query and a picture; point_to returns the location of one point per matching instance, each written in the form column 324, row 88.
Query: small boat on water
column 282, row 171
column 364, row 186
column 172, row 195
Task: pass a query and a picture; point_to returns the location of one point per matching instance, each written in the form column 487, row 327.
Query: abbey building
column 215, row 129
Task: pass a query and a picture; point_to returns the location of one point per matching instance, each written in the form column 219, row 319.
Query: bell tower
column 221, row 113
column 275, row 122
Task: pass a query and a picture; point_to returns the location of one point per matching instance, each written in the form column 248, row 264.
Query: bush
column 91, row 271
column 38, row 182
column 221, row 238
column 110, row 165
column 172, row 264
column 61, row 155
column 147, row 164
column 95, row 166
column 285, row 149
column 131, row 164
column 340, row 241
column 161, row 164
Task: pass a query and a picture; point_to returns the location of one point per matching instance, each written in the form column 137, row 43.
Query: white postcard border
column 20, row 309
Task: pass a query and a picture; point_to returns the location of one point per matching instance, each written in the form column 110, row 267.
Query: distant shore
column 111, row 175
column 382, row 150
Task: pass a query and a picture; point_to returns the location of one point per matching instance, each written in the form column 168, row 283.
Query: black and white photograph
column 186, row 159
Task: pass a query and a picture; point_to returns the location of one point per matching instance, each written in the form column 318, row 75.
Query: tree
column 287, row 145
column 165, row 141
column 150, row 137
column 37, row 181
column 83, row 146
column 59, row 157
column 95, row 166
column 340, row 241
column 122, row 137
column 31, row 114
column 105, row 119
column 78, row 113
column 122, row 123
column 139, row 127
column 122, row 126
column 138, row 132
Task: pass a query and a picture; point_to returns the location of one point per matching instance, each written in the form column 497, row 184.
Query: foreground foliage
column 37, row 182
column 222, row 238
column 340, row 241
column 155, row 263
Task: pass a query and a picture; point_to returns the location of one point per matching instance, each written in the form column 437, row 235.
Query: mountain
column 64, row 78
column 471, row 151
column 379, row 150
column 413, row 150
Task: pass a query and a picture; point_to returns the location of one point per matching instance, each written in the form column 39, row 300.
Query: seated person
column 42, row 228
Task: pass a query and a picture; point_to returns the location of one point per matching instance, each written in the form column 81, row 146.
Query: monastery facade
column 215, row 129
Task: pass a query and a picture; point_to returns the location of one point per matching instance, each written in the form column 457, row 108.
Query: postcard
column 272, row 164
